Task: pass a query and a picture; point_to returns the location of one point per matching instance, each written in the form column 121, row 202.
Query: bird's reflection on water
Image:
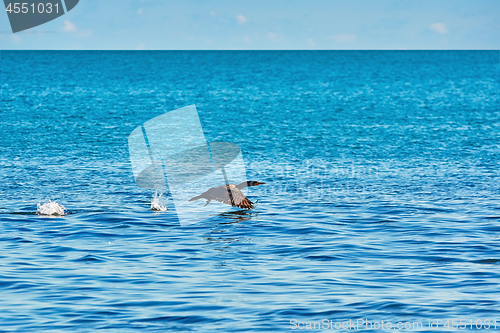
column 237, row 216
column 222, row 228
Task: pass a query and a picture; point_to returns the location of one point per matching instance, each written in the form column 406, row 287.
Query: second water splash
column 156, row 203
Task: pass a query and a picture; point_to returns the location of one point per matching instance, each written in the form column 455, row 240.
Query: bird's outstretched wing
column 230, row 195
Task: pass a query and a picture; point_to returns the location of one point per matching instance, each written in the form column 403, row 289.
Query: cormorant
column 229, row 194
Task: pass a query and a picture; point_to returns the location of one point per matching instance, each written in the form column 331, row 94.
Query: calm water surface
column 382, row 203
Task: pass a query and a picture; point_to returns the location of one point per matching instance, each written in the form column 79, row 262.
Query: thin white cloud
column 141, row 46
column 140, row 11
column 16, row 39
column 213, row 13
column 241, row 19
column 440, row 28
column 85, row 33
column 344, row 38
column 311, row 42
column 247, row 39
column 272, row 36
column 69, row 26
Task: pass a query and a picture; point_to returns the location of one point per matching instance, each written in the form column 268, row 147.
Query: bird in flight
column 229, row 194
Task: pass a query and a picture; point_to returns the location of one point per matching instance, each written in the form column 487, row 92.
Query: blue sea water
column 382, row 199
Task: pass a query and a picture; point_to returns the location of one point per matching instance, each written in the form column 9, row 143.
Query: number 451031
column 27, row 8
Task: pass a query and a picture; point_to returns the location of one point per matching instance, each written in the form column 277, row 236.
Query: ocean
column 381, row 203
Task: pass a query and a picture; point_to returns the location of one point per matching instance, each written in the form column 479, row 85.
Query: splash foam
column 51, row 208
column 156, row 204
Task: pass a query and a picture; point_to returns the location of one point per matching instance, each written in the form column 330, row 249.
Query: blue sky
column 269, row 24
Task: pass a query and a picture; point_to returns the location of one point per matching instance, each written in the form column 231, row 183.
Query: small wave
column 51, row 208
column 156, row 204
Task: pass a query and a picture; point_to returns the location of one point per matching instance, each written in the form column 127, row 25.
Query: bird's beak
column 258, row 183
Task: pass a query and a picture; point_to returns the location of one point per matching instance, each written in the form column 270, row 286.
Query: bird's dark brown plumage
column 228, row 194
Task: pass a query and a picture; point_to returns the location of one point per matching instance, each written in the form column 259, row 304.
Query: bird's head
column 248, row 184
column 254, row 183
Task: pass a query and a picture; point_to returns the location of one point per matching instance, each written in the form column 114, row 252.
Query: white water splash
column 51, row 208
column 156, row 203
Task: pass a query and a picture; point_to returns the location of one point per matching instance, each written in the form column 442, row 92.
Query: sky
column 265, row 25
